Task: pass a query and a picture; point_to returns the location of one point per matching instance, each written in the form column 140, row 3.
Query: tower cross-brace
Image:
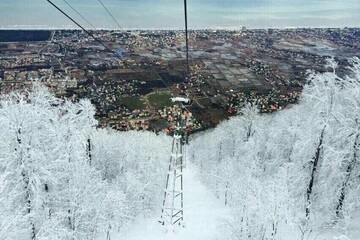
column 173, row 204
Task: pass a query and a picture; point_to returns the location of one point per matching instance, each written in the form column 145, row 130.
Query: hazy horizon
column 168, row 14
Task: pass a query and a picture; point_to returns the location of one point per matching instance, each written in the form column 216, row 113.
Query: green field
column 160, row 100
column 133, row 103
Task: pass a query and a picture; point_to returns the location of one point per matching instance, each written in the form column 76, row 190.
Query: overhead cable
column 73, row 8
column 107, row 10
column 107, row 48
column 186, row 38
column 86, row 31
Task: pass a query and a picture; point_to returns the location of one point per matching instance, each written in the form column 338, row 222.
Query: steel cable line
column 187, row 45
column 186, row 38
column 108, row 49
column 89, row 33
column 118, row 56
column 107, row 10
column 86, row 31
column 152, row 68
column 121, row 28
column 100, row 42
column 79, row 14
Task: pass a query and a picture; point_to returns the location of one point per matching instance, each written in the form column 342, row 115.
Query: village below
column 133, row 89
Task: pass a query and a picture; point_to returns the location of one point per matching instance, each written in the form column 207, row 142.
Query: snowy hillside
column 55, row 185
column 294, row 174
column 291, row 175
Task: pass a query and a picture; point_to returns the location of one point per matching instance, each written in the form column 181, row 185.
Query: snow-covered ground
column 203, row 214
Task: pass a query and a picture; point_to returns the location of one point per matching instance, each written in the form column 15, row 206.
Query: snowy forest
column 294, row 174
column 290, row 175
column 61, row 178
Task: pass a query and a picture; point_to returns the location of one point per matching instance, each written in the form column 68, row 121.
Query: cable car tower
column 172, row 212
column 173, row 204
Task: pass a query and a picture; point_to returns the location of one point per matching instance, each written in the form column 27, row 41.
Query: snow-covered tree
column 298, row 169
column 27, row 143
column 49, row 188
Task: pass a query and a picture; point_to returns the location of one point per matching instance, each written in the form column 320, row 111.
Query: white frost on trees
column 298, row 171
column 49, row 189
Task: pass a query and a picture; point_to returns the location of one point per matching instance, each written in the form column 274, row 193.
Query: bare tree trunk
column 89, row 151
column 108, row 237
column 274, row 230
column 315, row 162
column 28, row 203
column 249, row 132
column 226, row 193
column 242, row 220
column 347, row 177
column 26, row 181
column 217, row 190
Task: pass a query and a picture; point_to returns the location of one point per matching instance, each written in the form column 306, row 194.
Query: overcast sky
column 161, row 14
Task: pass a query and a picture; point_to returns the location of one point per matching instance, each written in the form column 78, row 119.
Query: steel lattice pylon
column 173, row 204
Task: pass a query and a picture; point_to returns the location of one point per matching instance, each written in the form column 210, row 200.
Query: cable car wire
column 107, row 48
column 87, row 21
column 186, row 38
column 107, row 10
column 86, row 31
column 121, row 28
